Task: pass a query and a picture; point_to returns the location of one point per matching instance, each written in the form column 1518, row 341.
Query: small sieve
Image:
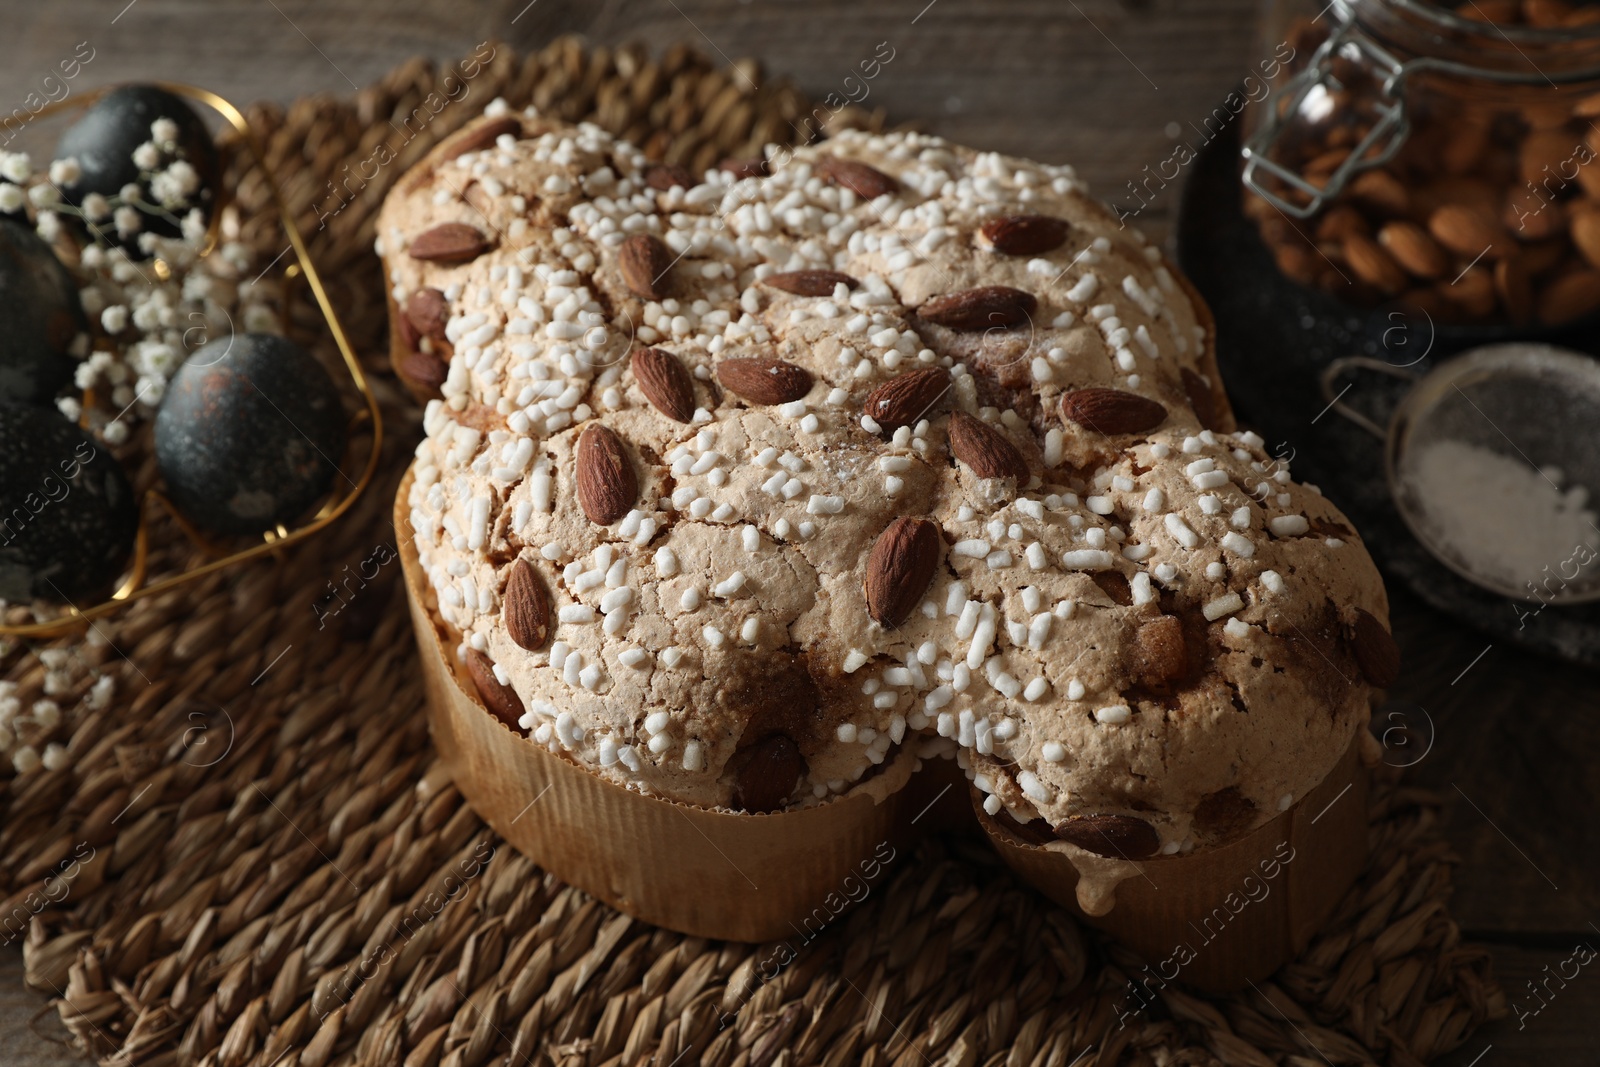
column 1532, row 404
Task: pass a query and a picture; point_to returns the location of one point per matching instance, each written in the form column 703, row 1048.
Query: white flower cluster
column 149, row 322
column 34, row 732
column 169, row 181
column 146, row 318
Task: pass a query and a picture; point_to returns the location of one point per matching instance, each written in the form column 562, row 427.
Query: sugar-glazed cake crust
column 735, row 481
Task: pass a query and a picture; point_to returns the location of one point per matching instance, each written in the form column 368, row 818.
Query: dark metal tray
column 1274, row 339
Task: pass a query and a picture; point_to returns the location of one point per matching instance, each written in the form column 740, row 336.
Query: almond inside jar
column 1489, row 212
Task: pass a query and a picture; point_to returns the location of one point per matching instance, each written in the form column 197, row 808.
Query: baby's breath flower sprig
column 149, row 318
column 169, row 179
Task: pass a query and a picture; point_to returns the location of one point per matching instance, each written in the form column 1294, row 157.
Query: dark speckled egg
column 249, row 434
column 67, row 513
column 105, row 140
column 40, row 317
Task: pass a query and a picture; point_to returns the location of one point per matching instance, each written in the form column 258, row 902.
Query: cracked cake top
column 735, row 482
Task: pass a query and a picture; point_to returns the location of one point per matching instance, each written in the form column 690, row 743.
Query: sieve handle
column 1333, row 372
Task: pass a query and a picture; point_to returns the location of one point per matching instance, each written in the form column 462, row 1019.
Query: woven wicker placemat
column 251, row 856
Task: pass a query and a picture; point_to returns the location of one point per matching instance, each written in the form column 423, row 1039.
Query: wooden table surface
column 1103, row 85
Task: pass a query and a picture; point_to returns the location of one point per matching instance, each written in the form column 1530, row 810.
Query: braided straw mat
column 268, row 866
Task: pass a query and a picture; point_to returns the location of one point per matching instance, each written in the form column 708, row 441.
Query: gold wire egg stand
column 134, row 586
